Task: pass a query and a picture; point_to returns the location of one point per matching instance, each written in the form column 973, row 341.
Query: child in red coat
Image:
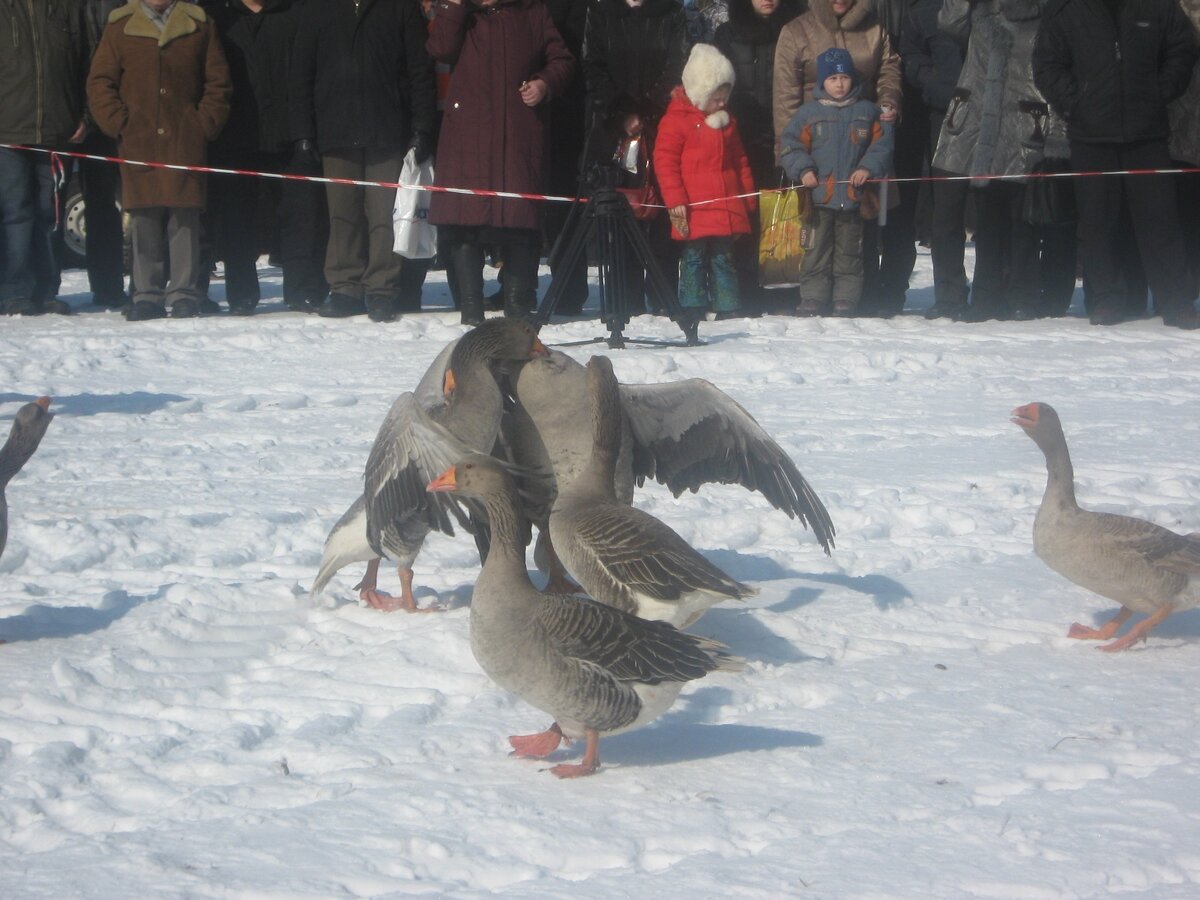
column 699, row 157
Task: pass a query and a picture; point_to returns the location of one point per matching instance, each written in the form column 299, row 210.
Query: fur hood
column 706, row 70
column 853, row 19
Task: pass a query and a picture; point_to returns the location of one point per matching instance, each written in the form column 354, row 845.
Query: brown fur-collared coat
column 163, row 96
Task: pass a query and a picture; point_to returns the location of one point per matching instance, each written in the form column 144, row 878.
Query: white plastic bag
column 415, row 238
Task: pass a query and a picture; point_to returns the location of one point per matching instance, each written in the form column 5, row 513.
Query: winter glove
column 422, row 147
column 305, row 157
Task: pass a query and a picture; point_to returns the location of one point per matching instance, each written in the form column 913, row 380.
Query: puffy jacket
column 44, row 55
column 695, row 161
column 932, row 58
column 361, row 76
column 997, row 123
column 1112, row 78
column 808, row 36
column 832, row 140
column 748, row 41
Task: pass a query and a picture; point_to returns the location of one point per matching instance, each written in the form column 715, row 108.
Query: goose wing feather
column 1157, row 545
column 410, row 450
column 689, row 433
column 634, row 552
column 629, row 648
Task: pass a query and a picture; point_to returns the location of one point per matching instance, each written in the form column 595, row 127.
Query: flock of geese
column 502, row 434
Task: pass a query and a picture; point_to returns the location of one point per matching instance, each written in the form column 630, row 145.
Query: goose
column 1142, row 566
column 28, row 428
column 455, row 409
column 596, row 669
column 684, row 434
column 620, row 555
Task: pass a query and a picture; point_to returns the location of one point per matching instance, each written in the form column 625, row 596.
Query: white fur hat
column 706, row 70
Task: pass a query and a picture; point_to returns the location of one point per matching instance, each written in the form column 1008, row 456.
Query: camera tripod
column 607, row 215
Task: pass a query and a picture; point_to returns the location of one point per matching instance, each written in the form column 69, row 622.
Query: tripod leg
column 659, row 285
column 576, row 235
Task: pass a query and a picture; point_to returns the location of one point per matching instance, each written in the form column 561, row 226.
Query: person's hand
column 305, row 157
column 887, row 112
column 632, row 125
column 809, row 179
column 79, row 135
column 859, row 177
column 678, row 217
column 534, row 92
column 421, row 146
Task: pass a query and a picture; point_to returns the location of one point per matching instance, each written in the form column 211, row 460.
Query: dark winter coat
column 490, row 139
column 1113, row 78
column 258, row 48
column 43, row 65
column 832, row 140
column 694, row 161
column 568, row 112
column 163, row 96
column 748, row 41
column 932, row 58
column 632, row 60
column 997, row 122
column 361, row 79
column 1185, row 112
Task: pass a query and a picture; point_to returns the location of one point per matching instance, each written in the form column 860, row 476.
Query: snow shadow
column 884, row 592
column 748, row 637
column 135, row 403
column 39, row 622
column 683, row 736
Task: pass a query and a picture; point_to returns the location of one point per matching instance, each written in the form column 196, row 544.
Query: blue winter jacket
column 833, row 140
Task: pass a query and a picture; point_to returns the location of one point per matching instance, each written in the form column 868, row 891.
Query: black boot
column 520, row 279
column 467, row 260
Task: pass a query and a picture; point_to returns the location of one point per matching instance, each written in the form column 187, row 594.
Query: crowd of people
column 901, row 121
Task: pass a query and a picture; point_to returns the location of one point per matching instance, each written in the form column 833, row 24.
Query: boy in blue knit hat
column 833, row 145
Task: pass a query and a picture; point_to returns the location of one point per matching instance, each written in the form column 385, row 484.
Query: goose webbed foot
column 385, row 602
column 1104, row 632
column 538, row 745
column 1138, row 632
column 589, row 764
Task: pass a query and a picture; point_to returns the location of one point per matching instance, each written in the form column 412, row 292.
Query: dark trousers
column 947, row 233
column 1154, row 211
column 1019, row 268
column 30, row 261
column 302, row 218
column 890, row 251
column 232, row 225
column 105, row 235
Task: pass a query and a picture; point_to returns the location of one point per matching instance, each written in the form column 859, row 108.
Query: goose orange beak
column 448, row 383
column 1026, row 416
column 538, row 349
column 43, row 402
column 444, row 483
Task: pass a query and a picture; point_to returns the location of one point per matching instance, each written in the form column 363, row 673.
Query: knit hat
column 706, row 70
column 836, row 61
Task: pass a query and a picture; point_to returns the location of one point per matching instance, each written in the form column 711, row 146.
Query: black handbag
column 1049, row 201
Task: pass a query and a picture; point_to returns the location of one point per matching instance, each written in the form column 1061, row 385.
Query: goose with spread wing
column 683, row 434
column 621, row 555
column 1144, row 567
column 28, row 429
column 455, row 410
column 596, row 669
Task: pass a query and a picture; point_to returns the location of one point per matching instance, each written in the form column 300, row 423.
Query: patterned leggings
column 707, row 275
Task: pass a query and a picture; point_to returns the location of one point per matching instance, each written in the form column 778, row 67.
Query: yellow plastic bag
column 785, row 236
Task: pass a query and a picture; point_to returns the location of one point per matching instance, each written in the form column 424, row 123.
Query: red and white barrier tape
column 513, row 195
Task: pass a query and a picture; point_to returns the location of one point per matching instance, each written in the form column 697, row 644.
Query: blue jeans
column 30, row 255
column 707, row 275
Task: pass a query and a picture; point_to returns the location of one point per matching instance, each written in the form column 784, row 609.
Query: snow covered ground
column 178, row 720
